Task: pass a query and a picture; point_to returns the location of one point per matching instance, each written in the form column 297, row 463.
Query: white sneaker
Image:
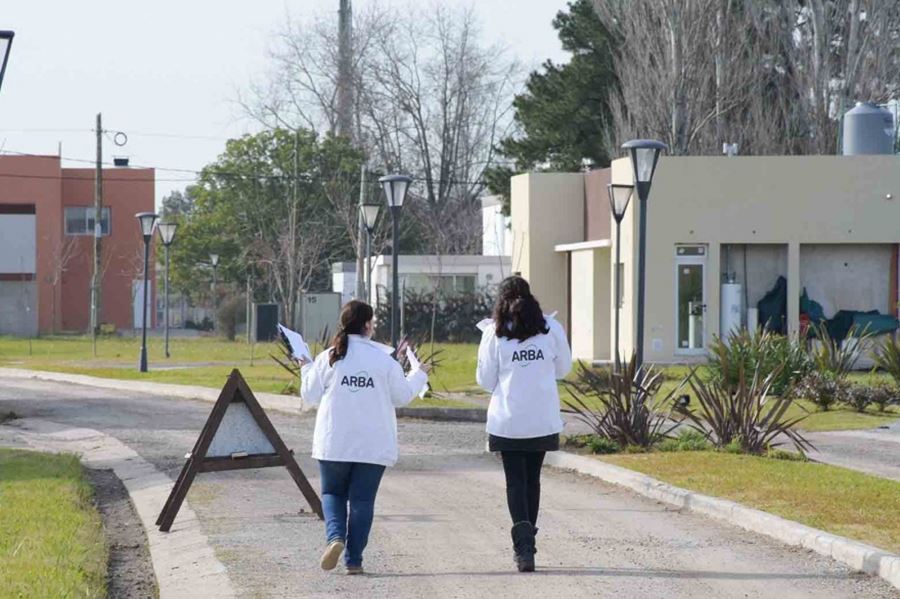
column 332, row 555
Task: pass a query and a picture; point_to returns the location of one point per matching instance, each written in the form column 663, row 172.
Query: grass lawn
column 51, row 537
column 203, row 361
column 830, row 498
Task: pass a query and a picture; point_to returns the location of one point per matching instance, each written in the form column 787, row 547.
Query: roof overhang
column 583, row 245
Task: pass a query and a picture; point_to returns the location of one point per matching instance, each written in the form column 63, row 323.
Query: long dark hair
column 354, row 317
column 517, row 313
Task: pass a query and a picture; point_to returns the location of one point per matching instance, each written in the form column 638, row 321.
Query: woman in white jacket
column 357, row 385
column 521, row 356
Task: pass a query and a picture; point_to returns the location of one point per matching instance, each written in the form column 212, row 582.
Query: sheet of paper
column 415, row 364
column 299, row 348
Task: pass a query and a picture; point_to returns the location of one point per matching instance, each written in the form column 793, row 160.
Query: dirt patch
column 130, row 571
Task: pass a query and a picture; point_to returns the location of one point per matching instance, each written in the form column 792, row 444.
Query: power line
column 231, row 174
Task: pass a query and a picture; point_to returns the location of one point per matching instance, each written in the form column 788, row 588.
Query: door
column 690, row 299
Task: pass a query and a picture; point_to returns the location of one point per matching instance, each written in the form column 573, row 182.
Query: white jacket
column 356, row 421
column 521, row 378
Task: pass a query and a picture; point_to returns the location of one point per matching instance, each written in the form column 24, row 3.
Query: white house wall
column 847, row 277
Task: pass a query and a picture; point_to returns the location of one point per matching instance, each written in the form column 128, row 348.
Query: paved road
column 875, row 451
column 441, row 528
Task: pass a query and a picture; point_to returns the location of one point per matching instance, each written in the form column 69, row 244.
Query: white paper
column 299, row 348
column 415, row 364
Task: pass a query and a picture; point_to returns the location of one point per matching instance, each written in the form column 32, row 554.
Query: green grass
column 206, row 362
column 840, row 501
column 51, row 537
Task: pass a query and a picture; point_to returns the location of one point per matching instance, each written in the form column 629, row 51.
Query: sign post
column 237, row 436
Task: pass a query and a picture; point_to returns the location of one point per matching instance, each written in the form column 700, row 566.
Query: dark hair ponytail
column 517, row 313
column 355, row 315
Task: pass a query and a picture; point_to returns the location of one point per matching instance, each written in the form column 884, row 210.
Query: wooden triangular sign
column 237, row 435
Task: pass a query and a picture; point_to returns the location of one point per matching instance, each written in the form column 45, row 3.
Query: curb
column 444, row 414
column 289, row 404
column 182, row 562
column 858, row 556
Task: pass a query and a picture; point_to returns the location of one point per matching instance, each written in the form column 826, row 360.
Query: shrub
column 858, row 397
column 232, row 313
column 593, row 443
column 764, row 352
column 887, row 357
column 629, row 412
column 743, row 416
column 884, row 395
column 205, row 325
column 822, row 388
column 789, row 456
column 455, row 320
column 687, row 440
column 836, row 357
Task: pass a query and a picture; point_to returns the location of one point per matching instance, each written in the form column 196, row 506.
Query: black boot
column 523, row 546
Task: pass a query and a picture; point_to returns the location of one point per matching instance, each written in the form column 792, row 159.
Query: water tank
column 868, row 129
column 730, row 312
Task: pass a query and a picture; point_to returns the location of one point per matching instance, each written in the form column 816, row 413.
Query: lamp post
column 644, row 155
column 619, row 197
column 167, row 236
column 146, row 220
column 214, row 260
column 370, row 218
column 395, row 187
column 6, row 39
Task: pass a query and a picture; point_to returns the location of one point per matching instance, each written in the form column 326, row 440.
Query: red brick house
column 46, row 227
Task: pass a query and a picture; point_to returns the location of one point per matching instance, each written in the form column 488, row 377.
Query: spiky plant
column 623, row 404
column 838, row 358
column 744, row 414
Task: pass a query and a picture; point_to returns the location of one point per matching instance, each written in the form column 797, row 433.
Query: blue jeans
column 356, row 483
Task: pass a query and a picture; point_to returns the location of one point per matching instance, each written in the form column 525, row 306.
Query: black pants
column 523, row 484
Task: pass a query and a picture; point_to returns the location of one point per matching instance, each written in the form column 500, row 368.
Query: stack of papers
column 299, row 348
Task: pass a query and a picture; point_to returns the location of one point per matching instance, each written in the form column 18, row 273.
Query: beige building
column 722, row 235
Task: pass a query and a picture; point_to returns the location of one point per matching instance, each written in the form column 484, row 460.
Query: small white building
column 449, row 273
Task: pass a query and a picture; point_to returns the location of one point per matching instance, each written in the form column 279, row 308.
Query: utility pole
column 362, row 290
column 345, row 70
column 98, row 230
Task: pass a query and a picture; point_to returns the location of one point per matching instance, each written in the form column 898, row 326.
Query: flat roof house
column 731, row 242
column 46, row 230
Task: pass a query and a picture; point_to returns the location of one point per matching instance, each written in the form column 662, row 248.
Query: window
column 445, row 283
column 80, row 220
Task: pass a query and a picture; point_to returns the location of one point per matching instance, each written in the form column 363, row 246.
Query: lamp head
column 146, row 220
column 644, row 156
column 6, row 39
column 395, row 187
column 619, row 197
column 166, row 232
column 370, row 215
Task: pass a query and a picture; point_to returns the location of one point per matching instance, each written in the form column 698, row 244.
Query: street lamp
column 619, row 197
column 395, row 187
column 370, row 218
column 214, row 260
column 6, row 38
column 644, row 155
column 146, row 220
column 167, row 236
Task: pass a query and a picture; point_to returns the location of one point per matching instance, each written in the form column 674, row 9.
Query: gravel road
column 441, row 527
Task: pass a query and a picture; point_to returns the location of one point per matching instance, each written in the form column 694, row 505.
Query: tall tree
column 273, row 204
column 563, row 116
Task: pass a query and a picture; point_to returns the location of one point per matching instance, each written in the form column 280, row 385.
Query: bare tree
column 64, row 250
column 431, row 99
column 773, row 76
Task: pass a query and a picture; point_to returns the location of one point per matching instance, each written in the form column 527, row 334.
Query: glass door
column 690, row 299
